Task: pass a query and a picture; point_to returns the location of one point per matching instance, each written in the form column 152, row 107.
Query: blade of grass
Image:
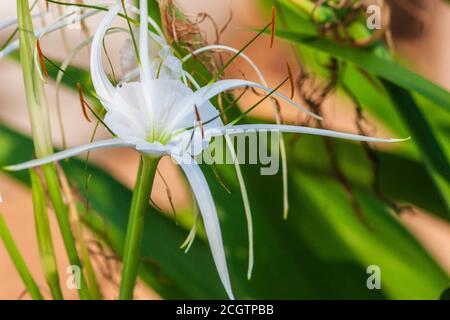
column 44, row 236
column 79, row 229
column 431, row 151
column 40, row 123
column 18, row 261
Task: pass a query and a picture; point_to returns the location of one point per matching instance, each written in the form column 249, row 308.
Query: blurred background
column 420, row 36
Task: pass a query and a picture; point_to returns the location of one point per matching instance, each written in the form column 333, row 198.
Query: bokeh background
column 425, row 47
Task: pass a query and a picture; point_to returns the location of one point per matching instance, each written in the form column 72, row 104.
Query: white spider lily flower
column 156, row 117
column 163, row 62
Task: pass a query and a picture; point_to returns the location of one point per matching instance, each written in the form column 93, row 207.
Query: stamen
column 220, row 178
column 41, row 58
column 199, row 121
column 272, row 37
column 83, row 102
column 291, row 80
column 258, row 103
column 169, row 194
column 130, row 29
column 234, row 57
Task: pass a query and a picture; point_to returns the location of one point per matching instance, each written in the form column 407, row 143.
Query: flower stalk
column 139, row 204
column 44, row 238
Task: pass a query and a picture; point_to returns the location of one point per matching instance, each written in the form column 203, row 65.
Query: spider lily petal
column 277, row 113
column 146, row 75
column 12, row 21
column 103, row 144
column 102, row 85
column 186, row 106
column 244, row 194
column 150, row 20
column 208, row 211
column 13, row 46
column 238, row 129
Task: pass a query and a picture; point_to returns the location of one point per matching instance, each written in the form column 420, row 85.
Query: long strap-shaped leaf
column 388, row 70
column 430, row 148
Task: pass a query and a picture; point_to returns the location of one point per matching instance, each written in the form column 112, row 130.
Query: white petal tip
column 393, row 140
column 402, row 140
column 285, row 213
column 316, row 116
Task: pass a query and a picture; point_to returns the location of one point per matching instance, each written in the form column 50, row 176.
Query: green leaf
column 308, row 256
column 431, row 151
column 383, row 68
column 322, row 250
column 396, row 180
column 173, row 274
column 44, row 236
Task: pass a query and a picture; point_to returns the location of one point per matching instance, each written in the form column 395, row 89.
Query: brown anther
column 83, row 102
column 272, row 37
column 291, row 80
column 41, row 58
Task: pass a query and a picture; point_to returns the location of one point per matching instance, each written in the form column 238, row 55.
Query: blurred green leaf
column 431, row 151
column 396, row 80
column 383, row 68
column 169, row 271
column 312, row 255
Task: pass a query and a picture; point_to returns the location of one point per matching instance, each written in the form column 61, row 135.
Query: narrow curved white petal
column 7, row 22
column 13, row 46
column 12, row 21
column 262, row 79
column 162, row 39
column 208, row 211
column 244, row 194
column 101, row 83
column 239, row 129
column 104, row 144
column 217, row 47
column 145, row 69
column 247, row 208
column 143, row 44
column 191, row 236
column 186, row 106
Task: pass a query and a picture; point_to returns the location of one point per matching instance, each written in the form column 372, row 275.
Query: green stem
column 18, row 261
column 44, row 237
column 60, row 208
column 40, row 124
column 139, row 204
